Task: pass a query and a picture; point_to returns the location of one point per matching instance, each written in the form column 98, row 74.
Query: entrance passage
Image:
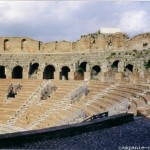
column 79, row 74
column 33, row 70
column 95, row 71
column 64, row 73
column 2, row 72
column 17, row 72
column 49, row 72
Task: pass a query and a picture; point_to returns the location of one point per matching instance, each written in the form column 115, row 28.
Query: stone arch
column 23, row 44
column 129, row 67
column 114, row 65
column 83, row 66
column 95, row 71
column 6, row 44
column 17, row 72
column 2, row 72
column 64, row 73
column 49, row 72
column 79, row 73
column 33, row 70
column 147, row 64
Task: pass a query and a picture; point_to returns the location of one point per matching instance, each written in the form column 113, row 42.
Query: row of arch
column 7, row 44
column 49, row 70
column 23, row 44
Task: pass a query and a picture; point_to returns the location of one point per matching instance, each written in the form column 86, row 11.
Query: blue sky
column 68, row 20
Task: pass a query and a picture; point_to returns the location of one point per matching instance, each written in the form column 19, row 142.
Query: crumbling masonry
column 102, row 56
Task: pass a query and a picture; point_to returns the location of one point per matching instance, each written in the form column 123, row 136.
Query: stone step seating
column 51, row 103
column 138, row 95
column 129, row 95
column 10, row 106
column 54, row 119
column 95, row 106
column 9, row 129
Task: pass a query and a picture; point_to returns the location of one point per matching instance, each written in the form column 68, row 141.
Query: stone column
column 25, row 73
column 8, row 73
column 119, row 75
column 71, row 75
column 87, row 75
column 121, row 67
column 57, row 75
column 40, row 74
column 103, row 76
column 104, row 67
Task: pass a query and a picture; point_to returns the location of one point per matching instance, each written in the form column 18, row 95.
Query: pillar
column 25, row 73
column 57, row 75
column 103, row 76
column 40, row 74
column 87, row 75
column 71, row 75
column 8, row 73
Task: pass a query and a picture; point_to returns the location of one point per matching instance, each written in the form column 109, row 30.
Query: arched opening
column 49, row 72
column 147, row 64
column 129, row 67
column 64, row 73
column 95, row 71
column 2, row 72
column 33, row 70
column 17, row 72
column 6, row 44
column 79, row 74
column 114, row 65
column 23, row 44
column 83, row 66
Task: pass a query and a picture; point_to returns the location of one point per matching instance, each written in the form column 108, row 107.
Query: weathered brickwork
column 112, row 54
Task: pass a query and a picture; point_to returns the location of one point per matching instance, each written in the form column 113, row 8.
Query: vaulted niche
column 64, row 73
column 129, row 67
column 114, row 65
column 49, row 72
column 79, row 74
column 95, row 71
column 2, row 72
column 33, row 70
column 17, row 72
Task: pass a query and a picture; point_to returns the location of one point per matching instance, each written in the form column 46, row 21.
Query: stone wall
column 104, row 55
column 91, row 42
column 104, row 60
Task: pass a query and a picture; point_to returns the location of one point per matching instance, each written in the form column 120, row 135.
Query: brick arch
column 80, row 69
column 95, row 70
column 114, row 65
column 33, row 70
column 17, row 72
column 64, row 72
column 2, row 72
column 129, row 67
column 49, row 72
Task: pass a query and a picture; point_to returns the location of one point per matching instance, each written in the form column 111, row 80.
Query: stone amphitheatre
column 59, row 83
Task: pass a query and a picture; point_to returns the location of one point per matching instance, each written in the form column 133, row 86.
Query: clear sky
column 68, row 20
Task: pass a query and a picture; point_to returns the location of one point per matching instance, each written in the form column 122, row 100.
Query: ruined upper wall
column 139, row 42
column 91, row 42
column 19, row 44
